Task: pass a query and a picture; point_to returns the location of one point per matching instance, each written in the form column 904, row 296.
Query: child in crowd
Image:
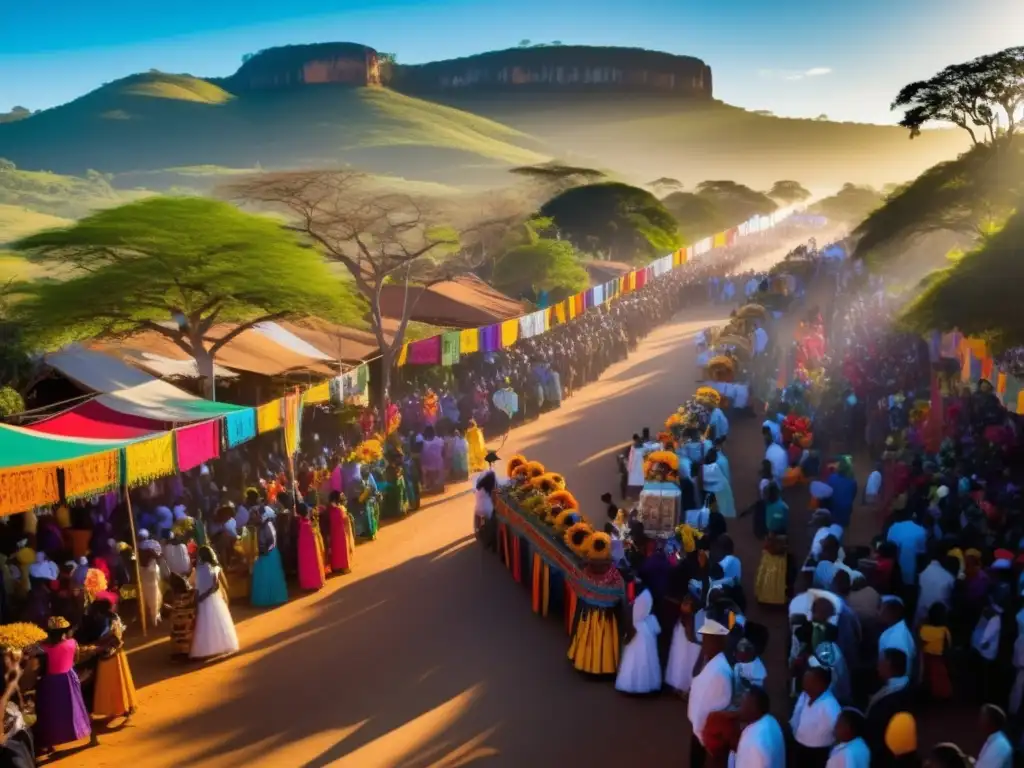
column 936, row 642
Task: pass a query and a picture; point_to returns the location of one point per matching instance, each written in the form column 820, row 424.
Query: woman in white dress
column 685, row 648
column 716, row 481
column 640, row 667
column 215, row 630
column 149, row 572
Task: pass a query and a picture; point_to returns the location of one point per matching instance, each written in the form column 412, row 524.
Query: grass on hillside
column 163, row 124
column 647, row 136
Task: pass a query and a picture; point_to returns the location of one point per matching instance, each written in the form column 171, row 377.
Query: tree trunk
column 204, row 365
column 386, row 359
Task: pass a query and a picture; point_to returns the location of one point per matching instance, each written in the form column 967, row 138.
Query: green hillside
column 157, row 121
column 16, row 222
column 647, row 136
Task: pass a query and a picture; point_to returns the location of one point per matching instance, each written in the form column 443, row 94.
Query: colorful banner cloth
column 509, row 333
column 292, row 422
column 22, row 489
column 197, row 444
column 425, row 351
column 318, row 393
column 92, row 475
column 148, row 460
column 469, row 341
column 241, row 425
column 268, row 416
column 533, row 324
column 451, row 348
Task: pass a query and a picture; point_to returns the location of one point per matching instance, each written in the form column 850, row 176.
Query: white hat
column 712, row 627
column 942, row 492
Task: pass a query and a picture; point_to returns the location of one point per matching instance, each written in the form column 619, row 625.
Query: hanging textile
column 241, row 425
column 450, row 350
column 1011, row 396
column 732, row 236
column 1001, row 386
column 469, row 341
column 987, row 365
column 509, row 333
column 580, row 301
column 92, row 475
column 975, row 367
column 268, row 416
column 197, row 444
column 560, row 314
column 23, row 489
column 570, row 307
column 355, row 384
column 490, row 338
column 318, row 393
column 689, row 254
column 611, row 290
column 598, row 295
column 292, row 422
column 718, row 241
column 425, row 351
column 148, row 460
column 532, row 324
column 403, row 356
column 631, row 281
column 641, row 278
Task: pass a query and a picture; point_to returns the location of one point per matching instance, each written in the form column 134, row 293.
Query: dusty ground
column 428, row 654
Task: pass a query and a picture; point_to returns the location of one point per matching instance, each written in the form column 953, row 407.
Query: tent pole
column 138, row 571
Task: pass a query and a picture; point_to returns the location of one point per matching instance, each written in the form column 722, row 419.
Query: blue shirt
column 911, row 540
column 844, row 493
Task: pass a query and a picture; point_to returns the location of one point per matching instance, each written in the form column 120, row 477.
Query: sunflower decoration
column 688, row 536
column 661, row 465
column 565, row 519
column 370, row 451
column 533, row 504
column 563, row 499
column 514, row 463
column 520, row 474
column 557, row 479
column 721, row 368
column 20, row 635
column 577, row 538
column 548, row 514
column 709, row 397
column 534, row 469
column 599, row 547
column 545, row 484
column 666, row 439
column 674, row 421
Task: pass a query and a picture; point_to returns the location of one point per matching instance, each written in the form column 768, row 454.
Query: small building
column 463, row 302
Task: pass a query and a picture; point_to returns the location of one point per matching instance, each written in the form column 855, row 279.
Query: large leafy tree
column 850, row 204
column 736, row 202
column 382, row 236
column 537, row 264
column 979, row 294
column 176, row 266
column 970, row 197
column 789, row 192
column 697, row 216
column 620, row 221
column 981, row 97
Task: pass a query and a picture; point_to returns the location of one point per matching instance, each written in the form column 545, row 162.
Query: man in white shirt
column 936, row 586
column 814, row 719
column 773, row 429
column 711, row 689
column 761, row 744
column 997, row 752
column 896, row 634
column 776, row 455
column 822, row 521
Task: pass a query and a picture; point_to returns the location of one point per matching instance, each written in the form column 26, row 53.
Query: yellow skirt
column 770, row 585
column 115, row 689
column 594, row 649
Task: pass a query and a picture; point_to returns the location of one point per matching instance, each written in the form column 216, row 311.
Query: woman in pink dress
column 311, row 563
column 60, row 709
column 341, row 535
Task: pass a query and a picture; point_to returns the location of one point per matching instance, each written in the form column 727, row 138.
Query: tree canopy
column 698, row 217
column 850, row 204
column 195, row 261
column 542, row 265
column 970, row 196
column 983, row 96
column 736, row 202
column 789, row 192
column 980, row 293
column 620, row 221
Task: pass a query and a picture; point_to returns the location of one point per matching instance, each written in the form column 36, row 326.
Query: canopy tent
column 281, row 335
column 24, row 448
column 106, row 373
column 155, row 406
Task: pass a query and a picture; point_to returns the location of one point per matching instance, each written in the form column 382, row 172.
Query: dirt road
column 428, row 654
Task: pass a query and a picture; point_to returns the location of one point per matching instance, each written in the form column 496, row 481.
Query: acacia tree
column 789, row 192
column 976, row 96
column 176, row 266
column 538, row 264
column 380, row 236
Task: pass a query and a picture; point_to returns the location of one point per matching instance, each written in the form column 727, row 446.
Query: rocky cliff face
column 568, row 68
column 562, row 68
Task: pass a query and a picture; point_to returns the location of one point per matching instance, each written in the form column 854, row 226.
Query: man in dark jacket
column 892, row 698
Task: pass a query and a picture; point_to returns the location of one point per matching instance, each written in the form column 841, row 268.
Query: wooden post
column 138, row 572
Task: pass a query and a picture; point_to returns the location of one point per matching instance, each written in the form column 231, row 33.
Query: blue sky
column 794, row 57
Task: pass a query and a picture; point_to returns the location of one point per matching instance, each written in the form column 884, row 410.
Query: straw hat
column 57, row 623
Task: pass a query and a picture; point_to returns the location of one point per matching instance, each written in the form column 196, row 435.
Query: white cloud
column 794, row 74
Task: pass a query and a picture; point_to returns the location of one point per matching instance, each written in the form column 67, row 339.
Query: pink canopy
column 94, row 420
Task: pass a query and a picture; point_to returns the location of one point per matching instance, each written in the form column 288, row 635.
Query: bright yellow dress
column 477, row 449
column 115, row 690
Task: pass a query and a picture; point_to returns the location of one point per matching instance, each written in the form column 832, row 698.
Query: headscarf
column 901, row 734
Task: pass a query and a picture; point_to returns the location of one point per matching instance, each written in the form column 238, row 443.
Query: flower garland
column 577, row 538
column 599, row 546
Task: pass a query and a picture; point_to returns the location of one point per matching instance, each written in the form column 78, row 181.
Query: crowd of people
column 254, row 526
column 888, row 629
